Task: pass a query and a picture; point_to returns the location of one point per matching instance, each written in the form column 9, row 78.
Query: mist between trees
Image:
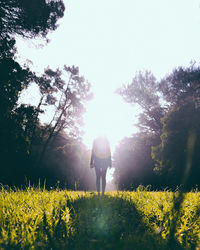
column 164, row 153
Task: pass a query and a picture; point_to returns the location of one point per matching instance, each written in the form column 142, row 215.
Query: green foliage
column 144, row 91
column 177, row 156
column 23, row 140
column 29, row 18
column 72, row 91
column 57, row 152
column 55, row 219
column 18, row 122
column 170, row 112
column 13, row 77
column 182, row 86
column 133, row 160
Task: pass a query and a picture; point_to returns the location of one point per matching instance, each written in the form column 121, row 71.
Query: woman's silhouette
column 101, row 160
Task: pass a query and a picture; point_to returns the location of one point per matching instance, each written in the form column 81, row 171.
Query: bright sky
column 110, row 40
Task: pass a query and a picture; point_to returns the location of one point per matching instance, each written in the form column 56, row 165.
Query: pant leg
column 98, row 174
column 103, row 174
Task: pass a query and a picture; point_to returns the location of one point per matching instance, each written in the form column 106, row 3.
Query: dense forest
column 164, row 153
column 29, row 151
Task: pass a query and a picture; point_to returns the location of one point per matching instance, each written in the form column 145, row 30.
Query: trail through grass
column 40, row 219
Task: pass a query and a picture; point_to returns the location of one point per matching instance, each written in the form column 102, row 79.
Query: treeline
column 165, row 153
column 30, row 151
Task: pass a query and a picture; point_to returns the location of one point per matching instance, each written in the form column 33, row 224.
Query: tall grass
column 41, row 219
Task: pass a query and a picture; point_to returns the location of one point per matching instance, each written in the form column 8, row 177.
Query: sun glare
column 108, row 115
column 109, row 175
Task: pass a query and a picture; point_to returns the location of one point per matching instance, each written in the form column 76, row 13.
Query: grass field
column 41, row 219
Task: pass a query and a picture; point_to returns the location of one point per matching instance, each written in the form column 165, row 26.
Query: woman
column 101, row 160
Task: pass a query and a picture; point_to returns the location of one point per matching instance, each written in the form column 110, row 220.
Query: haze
column 109, row 41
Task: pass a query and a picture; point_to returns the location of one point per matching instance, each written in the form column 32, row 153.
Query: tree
column 143, row 91
column 177, row 156
column 14, row 142
column 29, row 18
column 171, row 111
column 133, row 161
column 71, row 94
column 181, row 86
column 13, row 77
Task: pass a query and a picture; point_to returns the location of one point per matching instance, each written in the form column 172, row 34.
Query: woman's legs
column 103, row 174
column 98, row 174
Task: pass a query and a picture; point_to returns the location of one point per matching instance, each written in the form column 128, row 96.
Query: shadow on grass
column 90, row 222
column 110, row 223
